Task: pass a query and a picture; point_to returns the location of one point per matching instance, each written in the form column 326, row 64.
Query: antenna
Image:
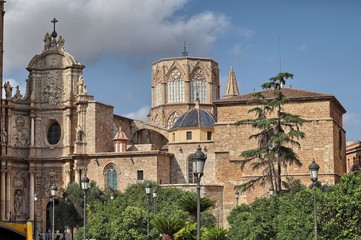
column 279, row 52
column 185, row 53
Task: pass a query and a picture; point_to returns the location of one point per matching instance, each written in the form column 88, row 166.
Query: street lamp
column 155, row 200
column 35, row 200
column 271, row 190
column 53, row 190
column 199, row 159
column 112, row 196
column 85, row 187
column 314, row 167
column 148, row 187
column 237, row 197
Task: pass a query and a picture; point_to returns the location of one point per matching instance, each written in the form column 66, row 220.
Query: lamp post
column 148, row 187
column 35, row 200
column 237, row 197
column 112, row 196
column 314, row 167
column 271, row 190
column 199, row 159
column 53, row 190
column 155, row 200
column 85, row 187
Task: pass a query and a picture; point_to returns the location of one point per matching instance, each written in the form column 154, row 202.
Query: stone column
column 32, row 131
column 8, row 193
column 77, row 175
column 31, row 193
column 187, row 86
column 3, row 179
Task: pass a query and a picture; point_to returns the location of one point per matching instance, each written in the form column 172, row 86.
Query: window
column 191, row 178
column 209, row 135
column 173, row 137
column 140, row 175
column 54, row 133
column 112, row 177
column 175, row 87
column 189, row 135
column 198, row 86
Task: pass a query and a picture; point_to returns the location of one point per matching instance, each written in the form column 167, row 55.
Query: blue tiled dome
column 195, row 118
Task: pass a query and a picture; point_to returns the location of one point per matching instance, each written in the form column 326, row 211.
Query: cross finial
column 54, row 34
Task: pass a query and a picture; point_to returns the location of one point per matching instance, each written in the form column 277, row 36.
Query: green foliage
column 215, row 234
column 188, row 203
column 167, row 226
column 189, row 232
column 278, row 132
column 290, row 215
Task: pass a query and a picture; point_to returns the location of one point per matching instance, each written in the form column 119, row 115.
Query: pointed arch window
column 198, row 86
column 175, row 87
column 191, row 178
column 111, row 177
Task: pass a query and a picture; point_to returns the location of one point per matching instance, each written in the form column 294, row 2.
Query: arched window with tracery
column 172, row 118
column 111, row 176
column 198, row 86
column 175, row 87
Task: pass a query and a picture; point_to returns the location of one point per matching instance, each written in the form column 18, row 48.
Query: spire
column 232, row 88
column 185, row 53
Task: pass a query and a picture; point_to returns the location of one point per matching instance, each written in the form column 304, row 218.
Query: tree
column 167, row 226
column 279, row 132
column 188, row 203
column 339, row 210
column 215, row 233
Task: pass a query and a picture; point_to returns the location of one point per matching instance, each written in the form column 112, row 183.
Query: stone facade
column 56, row 132
column 353, row 156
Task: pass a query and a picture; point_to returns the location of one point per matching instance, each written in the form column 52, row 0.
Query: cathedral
column 56, row 132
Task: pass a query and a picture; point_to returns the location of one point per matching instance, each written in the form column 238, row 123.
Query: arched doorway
column 49, row 215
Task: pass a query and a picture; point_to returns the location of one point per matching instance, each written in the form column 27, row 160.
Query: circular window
column 54, row 133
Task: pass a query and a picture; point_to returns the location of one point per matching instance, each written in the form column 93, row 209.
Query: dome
column 120, row 135
column 195, row 118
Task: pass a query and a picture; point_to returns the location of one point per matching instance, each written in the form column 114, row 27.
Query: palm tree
column 167, row 226
column 188, row 203
column 215, row 234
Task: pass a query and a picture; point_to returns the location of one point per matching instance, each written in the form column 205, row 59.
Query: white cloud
column 96, row 27
column 245, row 32
column 140, row 114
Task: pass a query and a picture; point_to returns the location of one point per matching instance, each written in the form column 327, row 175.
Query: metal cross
column 54, row 21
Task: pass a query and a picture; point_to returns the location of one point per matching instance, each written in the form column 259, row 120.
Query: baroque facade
column 56, row 132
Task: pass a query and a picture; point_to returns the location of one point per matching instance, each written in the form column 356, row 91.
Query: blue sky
column 319, row 41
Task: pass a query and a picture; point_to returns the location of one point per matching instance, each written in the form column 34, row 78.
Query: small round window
column 54, row 133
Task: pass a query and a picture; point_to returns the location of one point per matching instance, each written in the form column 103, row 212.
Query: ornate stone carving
column 19, row 180
column 49, row 180
column 8, row 90
column 172, row 118
column 52, row 90
column 20, row 138
column 198, row 74
column 17, row 95
column 81, row 86
column 19, row 201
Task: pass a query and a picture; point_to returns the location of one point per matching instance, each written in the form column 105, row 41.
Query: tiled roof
column 290, row 93
column 195, row 118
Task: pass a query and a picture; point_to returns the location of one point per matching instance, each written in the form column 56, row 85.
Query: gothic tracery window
column 198, row 86
column 111, row 177
column 172, row 118
column 175, row 87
